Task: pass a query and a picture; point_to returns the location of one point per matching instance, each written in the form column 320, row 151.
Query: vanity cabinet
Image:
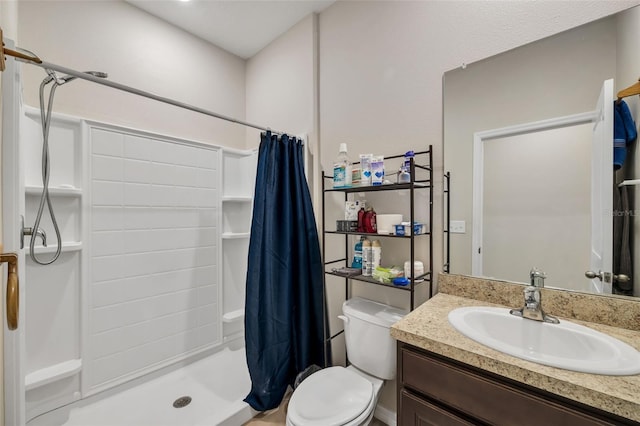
column 434, row 390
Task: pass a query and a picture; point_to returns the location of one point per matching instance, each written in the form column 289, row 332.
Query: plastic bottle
column 376, row 255
column 369, row 223
column 404, row 174
column 367, row 258
column 357, row 254
column 342, row 169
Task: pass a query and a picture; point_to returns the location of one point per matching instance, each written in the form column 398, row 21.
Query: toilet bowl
column 335, row 396
column 347, row 396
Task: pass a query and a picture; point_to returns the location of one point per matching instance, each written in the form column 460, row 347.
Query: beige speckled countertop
column 427, row 327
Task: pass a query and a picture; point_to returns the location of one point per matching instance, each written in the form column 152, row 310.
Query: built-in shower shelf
column 233, row 316
column 66, row 247
column 62, row 191
column 237, row 199
column 51, row 374
column 235, row 235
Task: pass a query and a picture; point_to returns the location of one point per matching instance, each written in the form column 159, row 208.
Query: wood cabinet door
column 416, row 411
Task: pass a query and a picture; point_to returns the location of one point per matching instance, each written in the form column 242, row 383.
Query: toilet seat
column 334, row 396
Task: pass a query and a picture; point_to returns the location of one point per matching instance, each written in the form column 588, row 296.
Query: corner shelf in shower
column 235, row 235
column 47, row 375
column 66, row 247
column 247, row 199
column 58, row 191
column 233, row 316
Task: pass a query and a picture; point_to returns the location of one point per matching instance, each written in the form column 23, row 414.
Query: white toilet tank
column 370, row 347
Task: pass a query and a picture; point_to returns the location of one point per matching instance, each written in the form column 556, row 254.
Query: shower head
column 67, row 78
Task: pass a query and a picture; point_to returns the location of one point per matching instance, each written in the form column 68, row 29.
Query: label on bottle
column 357, row 256
column 339, row 176
column 367, row 259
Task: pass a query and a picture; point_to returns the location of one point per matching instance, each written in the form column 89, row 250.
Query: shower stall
column 148, row 290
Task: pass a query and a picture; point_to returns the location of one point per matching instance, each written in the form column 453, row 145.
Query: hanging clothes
column 624, row 132
column 622, row 259
column 284, row 289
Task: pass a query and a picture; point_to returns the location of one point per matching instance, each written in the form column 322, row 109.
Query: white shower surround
column 138, row 286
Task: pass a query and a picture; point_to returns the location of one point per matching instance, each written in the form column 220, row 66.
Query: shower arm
column 13, row 288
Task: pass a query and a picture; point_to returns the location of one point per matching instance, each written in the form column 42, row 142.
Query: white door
column 602, row 191
column 13, row 208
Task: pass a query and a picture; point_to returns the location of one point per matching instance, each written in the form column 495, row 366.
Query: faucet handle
column 537, row 277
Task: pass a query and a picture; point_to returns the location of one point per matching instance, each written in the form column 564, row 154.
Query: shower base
column 216, row 385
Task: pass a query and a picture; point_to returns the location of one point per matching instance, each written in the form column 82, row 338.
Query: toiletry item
column 346, row 225
column 400, row 281
column 361, row 213
column 377, row 170
column 367, row 258
column 342, row 169
column 407, row 160
column 404, row 174
column 351, row 209
column 369, row 222
column 347, row 272
column 418, row 269
column 357, row 254
column 386, row 275
column 356, row 176
column 385, row 223
column 365, row 165
column 376, row 257
column 404, row 228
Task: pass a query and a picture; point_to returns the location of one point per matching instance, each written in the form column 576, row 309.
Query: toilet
column 347, row 396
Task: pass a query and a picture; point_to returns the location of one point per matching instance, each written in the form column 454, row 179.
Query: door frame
column 12, row 206
column 479, row 139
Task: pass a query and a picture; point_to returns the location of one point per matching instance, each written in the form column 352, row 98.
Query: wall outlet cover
column 457, row 226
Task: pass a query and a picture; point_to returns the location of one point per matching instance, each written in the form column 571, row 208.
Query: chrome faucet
column 532, row 308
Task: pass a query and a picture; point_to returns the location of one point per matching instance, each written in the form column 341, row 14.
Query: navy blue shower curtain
column 283, row 308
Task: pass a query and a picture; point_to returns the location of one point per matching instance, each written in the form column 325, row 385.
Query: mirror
column 555, row 78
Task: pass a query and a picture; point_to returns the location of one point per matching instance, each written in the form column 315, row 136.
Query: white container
column 418, row 268
column 386, row 223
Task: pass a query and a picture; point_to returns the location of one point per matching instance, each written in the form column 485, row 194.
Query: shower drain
column 183, row 401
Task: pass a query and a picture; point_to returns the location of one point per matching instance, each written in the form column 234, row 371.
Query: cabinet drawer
column 418, row 412
column 482, row 398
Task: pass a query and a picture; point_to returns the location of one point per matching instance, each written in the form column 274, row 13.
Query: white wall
column 138, row 50
column 281, row 90
column 280, row 83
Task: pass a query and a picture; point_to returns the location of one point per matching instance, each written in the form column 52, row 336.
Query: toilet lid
column 331, row 397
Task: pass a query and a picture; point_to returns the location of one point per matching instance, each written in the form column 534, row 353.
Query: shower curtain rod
column 34, row 60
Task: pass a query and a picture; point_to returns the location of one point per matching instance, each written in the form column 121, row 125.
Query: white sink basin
column 565, row 345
